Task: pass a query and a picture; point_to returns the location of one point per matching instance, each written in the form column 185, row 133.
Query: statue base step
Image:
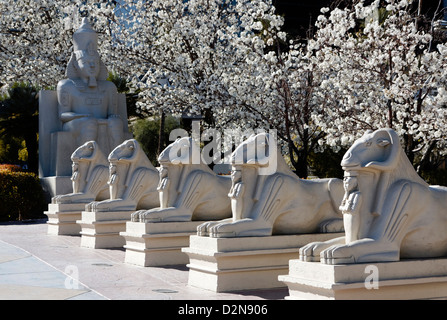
column 158, row 244
column 62, row 218
column 101, row 230
column 406, row 279
column 244, row 263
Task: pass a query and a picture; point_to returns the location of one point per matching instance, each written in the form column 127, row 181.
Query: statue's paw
column 90, row 206
column 203, row 230
column 54, row 199
column 311, row 252
column 100, row 206
column 167, row 215
column 75, row 198
column 222, row 230
column 161, row 218
column 361, row 251
column 149, row 216
column 337, row 254
column 241, row 228
column 135, row 217
column 332, row 226
column 130, row 207
column 62, row 199
column 114, row 205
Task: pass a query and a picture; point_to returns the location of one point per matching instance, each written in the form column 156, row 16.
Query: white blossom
column 221, row 58
column 382, row 76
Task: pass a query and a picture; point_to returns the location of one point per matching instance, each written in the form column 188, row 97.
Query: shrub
column 10, row 168
column 146, row 132
column 21, row 196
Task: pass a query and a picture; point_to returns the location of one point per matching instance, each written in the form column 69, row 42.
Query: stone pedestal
column 407, row 279
column 62, row 218
column 158, row 244
column 232, row 264
column 101, row 230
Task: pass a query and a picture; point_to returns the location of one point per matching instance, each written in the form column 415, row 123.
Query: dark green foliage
column 9, row 149
column 19, row 118
column 326, row 164
column 21, row 196
column 146, row 132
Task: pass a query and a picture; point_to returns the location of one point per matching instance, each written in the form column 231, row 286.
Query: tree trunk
column 161, row 132
column 390, row 114
column 301, row 164
column 424, row 164
column 303, row 157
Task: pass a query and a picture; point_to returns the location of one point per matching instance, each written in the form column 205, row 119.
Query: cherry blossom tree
column 221, row 59
column 367, row 66
column 278, row 88
column 382, row 71
column 36, row 37
column 180, row 52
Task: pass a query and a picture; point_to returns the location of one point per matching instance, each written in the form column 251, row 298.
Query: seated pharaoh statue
column 85, row 107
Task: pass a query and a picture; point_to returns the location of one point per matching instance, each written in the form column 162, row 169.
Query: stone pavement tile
column 25, row 277
column 22, row 292
column 10, row 253
column 104, row 272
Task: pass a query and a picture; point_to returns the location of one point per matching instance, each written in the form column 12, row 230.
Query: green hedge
column 21, row 196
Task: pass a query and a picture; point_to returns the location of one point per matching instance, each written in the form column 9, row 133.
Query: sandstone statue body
column 389, row 211
column 89, row 177
column 277, row 202
column 132, row 180
column 188, row 188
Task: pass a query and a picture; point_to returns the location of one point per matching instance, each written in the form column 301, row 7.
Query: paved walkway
column 26, row 277
column 35, row 265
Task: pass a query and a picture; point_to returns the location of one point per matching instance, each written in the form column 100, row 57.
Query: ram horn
column 391, row 162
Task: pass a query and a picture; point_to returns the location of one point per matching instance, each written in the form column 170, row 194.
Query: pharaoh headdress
column 85, row 43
